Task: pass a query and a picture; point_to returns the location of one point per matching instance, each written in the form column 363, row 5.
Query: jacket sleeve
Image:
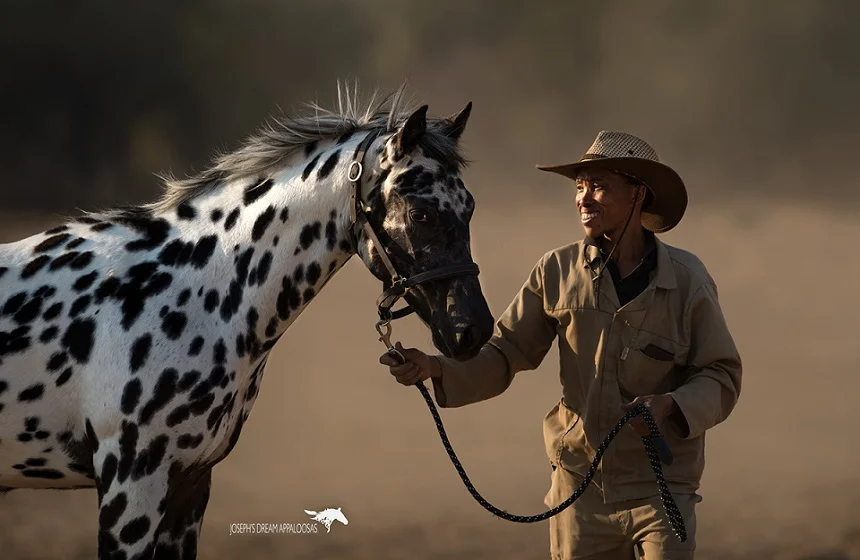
column 523, row 335
column 711, row 391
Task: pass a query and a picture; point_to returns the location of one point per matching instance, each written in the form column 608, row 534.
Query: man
column 635, row 320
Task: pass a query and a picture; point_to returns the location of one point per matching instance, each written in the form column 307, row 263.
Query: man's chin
column 591, row 231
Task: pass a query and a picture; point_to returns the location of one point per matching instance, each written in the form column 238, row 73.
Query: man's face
column 604, row 199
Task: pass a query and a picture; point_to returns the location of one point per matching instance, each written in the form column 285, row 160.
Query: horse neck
column 280, row 240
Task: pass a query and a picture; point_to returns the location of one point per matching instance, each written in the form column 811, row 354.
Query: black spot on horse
column 104, row 226
column 211, row 301
column 310, row 167
column 331, row 234
column 63, row 377
column 262, row 223
column 185, row 211
column 188, row 380
column 75, row 243
column 109, row 466
column 220, row 352
column 183, row 298
column 32, row 393
column 134, row 530
column 80, row 260
column 263, row 267
column 203, row 251
column 231, row 220
column 173, row 324
column 308, row 295
column 288, row 298
column 34, row 266
column 107, row 289
column 85, row 281
column 111, row 512
column 51, row 243
column 216, row 215
column 153, row 231
column 272, row 327
column 131, row 396
column 127, row 449
column 231, row 302
column 140, row 352
column 165, row 390
column 309, row 233
column 285, row 213
column 196, row 346
column 53, row 312
column 80, row 305
column 178, row 415
column 254, row 192
column 36, row 462
column 49, row 334
column 313, row 273
column 14, row 303
column 29, row 311
column 78, row 339
column 57, row 229
column 15, row 341
column 57, row 360
column 188, row 441
column 328, row 166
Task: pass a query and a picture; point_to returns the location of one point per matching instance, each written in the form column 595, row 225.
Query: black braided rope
column 671, row 509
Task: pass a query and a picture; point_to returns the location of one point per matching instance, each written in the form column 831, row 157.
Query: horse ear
column 455, row 125
column 412, row 130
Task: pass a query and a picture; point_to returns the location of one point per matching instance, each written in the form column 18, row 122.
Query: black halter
column 400, row 284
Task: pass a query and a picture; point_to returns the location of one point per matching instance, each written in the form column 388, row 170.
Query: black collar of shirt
column 634, row 283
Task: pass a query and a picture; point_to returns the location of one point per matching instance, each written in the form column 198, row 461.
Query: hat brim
column 669, row 192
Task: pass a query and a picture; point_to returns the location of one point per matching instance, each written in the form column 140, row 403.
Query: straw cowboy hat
column 629, row 155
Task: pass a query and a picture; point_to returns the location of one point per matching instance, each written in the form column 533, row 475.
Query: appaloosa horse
column 133, row 342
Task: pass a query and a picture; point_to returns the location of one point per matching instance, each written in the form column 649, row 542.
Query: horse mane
column 280, row 137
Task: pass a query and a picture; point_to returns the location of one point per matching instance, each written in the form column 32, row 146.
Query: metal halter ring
column 355, row 165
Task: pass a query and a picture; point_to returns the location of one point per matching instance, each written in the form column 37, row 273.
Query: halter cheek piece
column 400, row 284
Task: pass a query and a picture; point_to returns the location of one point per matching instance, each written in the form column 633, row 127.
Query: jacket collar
column 593, row 256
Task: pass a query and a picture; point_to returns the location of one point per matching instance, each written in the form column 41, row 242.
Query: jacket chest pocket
column 651, row 365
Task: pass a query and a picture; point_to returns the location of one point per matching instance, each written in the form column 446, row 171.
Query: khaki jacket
column 672, row 338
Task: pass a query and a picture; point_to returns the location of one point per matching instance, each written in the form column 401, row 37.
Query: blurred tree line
column 98, row 96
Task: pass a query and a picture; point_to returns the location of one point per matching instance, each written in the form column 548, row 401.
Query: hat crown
column 613, row 144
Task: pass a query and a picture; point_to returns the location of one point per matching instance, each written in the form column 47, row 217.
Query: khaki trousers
column 589, row 529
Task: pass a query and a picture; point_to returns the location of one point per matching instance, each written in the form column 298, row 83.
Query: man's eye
column 418, row 216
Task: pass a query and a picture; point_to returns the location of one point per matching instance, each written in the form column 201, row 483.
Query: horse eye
column 417, row 215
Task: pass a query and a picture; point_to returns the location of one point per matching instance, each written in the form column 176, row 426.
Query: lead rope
column 676, row 520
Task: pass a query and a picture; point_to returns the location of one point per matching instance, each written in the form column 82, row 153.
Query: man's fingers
column 406, row 369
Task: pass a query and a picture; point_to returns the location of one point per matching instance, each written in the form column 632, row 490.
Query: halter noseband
column 400, row 284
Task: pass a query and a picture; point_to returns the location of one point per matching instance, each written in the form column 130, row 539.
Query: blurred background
column 755, row 103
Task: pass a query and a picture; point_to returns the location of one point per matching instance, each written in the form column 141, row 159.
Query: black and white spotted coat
column 133, row 343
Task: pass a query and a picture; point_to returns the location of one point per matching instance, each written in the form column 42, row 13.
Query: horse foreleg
column 186, row 503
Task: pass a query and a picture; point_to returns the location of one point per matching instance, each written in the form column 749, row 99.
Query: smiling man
column 635, row 320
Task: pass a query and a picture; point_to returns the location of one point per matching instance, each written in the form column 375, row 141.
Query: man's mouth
column 588, row 216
